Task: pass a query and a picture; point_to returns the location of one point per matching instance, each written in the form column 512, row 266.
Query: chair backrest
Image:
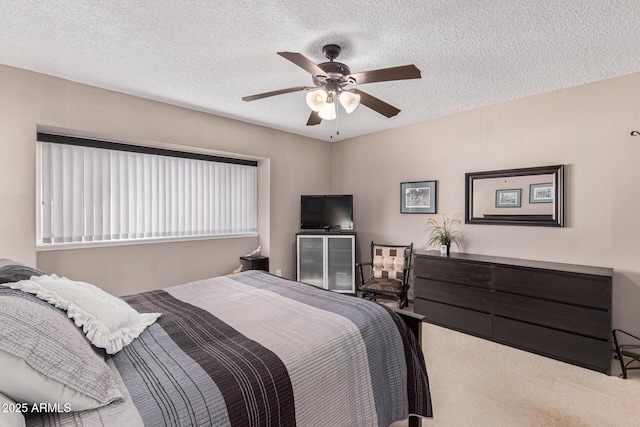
column 389, row 261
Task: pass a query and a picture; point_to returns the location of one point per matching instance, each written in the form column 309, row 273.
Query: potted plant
column 443, row 235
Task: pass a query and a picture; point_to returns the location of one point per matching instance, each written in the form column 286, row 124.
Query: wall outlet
column 278, row 272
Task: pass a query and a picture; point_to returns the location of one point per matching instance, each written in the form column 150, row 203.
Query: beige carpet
column 475, row 382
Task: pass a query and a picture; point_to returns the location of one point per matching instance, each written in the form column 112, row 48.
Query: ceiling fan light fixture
column 349, row 101
column 317, row 99
column 328, row 111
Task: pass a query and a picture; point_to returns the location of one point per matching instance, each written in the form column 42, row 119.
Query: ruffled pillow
column 107, row 321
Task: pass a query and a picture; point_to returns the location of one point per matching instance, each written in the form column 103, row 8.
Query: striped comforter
column 254, row 349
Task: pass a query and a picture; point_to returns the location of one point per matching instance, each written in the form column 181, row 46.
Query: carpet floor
column 475, row 382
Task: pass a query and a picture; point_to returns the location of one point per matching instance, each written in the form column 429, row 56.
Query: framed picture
column 508, row 198
column 541, row 193
column 418, row 197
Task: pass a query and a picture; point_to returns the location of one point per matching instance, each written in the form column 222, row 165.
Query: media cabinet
column 327, row 260
column 562, row 311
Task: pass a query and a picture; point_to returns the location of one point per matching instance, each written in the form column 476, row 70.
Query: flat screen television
column 329, row 212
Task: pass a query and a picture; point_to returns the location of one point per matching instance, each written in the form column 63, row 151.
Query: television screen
column 326, row 212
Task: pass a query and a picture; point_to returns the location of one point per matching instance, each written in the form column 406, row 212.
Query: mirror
column 527, row 196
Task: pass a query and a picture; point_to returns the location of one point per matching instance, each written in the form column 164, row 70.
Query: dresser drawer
column 470, row 321
column 577, row 289
column 581, row 320
column 467, row 273
column 453, row 294
column 587, row 352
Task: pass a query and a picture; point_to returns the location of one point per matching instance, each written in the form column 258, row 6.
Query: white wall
column 586, row 128
column 291, row 165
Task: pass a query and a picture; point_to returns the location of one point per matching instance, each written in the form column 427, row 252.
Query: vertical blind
column 91, row 194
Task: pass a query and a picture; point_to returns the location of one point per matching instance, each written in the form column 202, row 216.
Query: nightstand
column 255, row 263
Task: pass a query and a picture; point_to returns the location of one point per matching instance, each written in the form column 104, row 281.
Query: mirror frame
column 558, row 209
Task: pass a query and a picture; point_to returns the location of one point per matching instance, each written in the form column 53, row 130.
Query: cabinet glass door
column 311, row 260
column 340, row 268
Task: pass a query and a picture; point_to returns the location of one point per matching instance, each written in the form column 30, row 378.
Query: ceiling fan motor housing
column 337, row 72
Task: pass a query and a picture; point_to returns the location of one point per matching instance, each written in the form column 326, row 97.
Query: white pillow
column 9, row 416
column 108, row 322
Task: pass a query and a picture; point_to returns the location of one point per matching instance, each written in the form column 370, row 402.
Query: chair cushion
column 383, row 284
column 388, row 262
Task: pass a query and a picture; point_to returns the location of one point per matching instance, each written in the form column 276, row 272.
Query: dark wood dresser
column 562, row 311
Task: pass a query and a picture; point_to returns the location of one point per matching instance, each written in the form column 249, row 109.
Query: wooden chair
column 388, row 272
column 630, row 351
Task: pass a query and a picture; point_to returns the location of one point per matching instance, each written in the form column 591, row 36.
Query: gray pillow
column 10, row 414
column 12, row 271
column 46, row 359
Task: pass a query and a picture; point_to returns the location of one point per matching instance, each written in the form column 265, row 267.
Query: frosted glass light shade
column 317, row 99
column 328, row 111
column 349, row 101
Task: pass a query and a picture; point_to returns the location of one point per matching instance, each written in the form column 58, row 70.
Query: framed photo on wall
column 541, row 193
column 508, row 198
column 418, row 197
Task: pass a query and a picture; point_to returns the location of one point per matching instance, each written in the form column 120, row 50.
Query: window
column 95, row 191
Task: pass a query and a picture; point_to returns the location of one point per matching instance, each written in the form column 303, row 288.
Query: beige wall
column 30, row 100
column 586, row 128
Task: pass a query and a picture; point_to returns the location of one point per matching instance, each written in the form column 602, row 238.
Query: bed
column 253, row 349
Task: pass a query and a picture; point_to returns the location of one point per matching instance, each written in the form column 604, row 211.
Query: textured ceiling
column 207, row 54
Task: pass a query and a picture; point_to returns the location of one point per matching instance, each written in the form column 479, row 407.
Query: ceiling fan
column 333, row 80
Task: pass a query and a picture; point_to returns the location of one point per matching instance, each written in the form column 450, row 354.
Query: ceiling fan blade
column 276, row 92
column 303, row 62
column 376, row 104
column 314, row 119
column 403, row 72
